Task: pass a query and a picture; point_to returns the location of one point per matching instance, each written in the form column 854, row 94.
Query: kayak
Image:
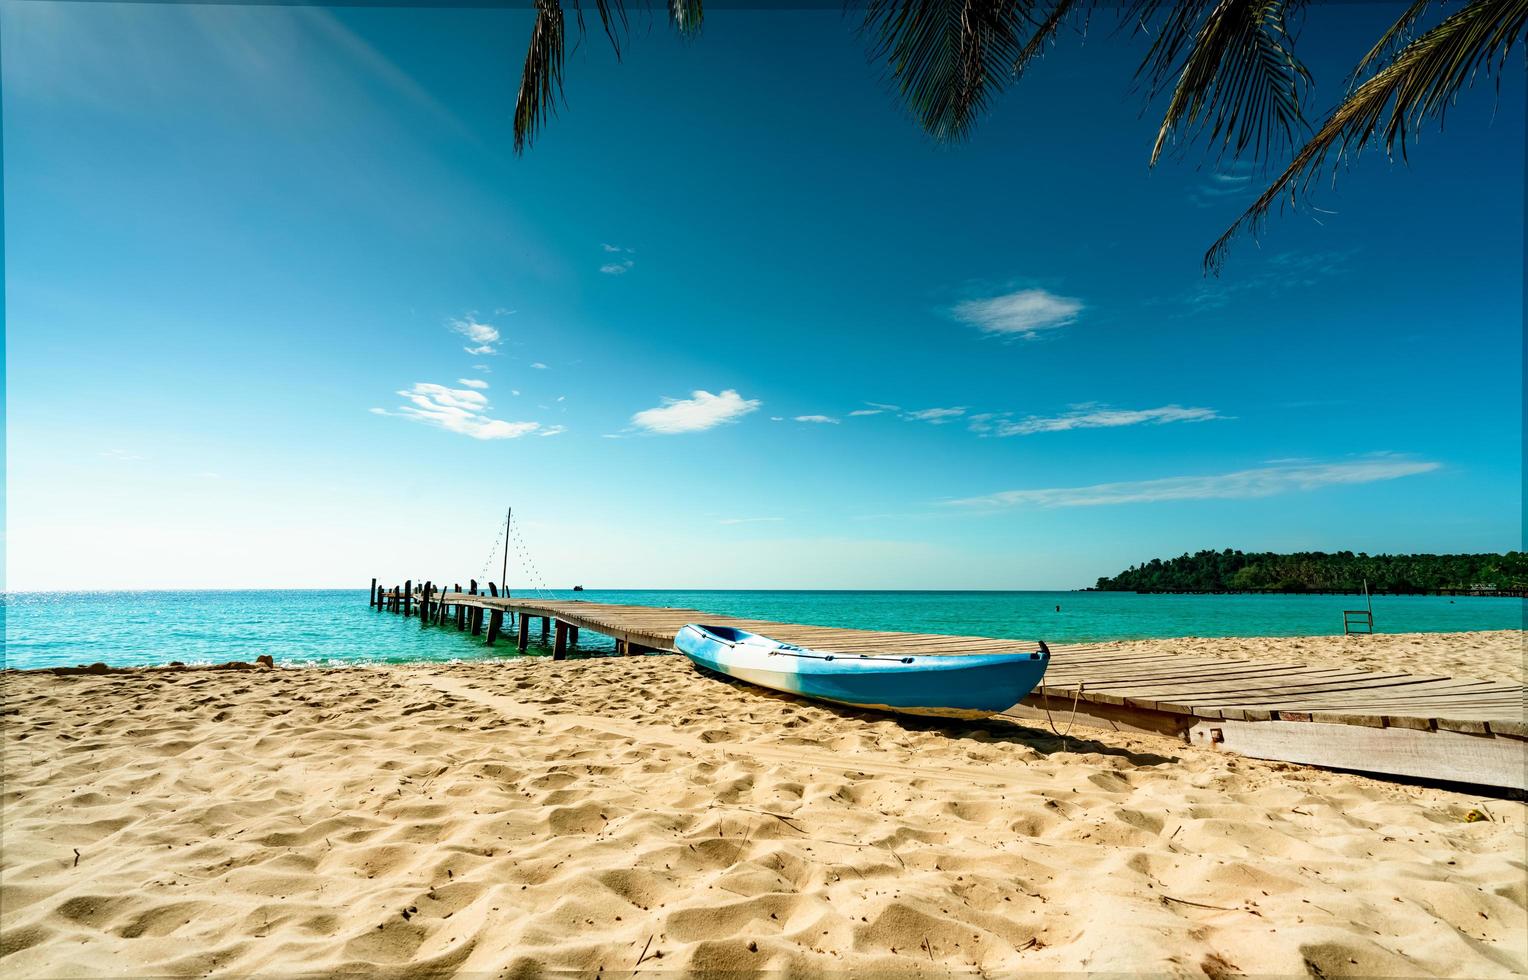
column 951, row 686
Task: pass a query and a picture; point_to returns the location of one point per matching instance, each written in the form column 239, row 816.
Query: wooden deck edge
column 1460, row 757
column 1110, row 717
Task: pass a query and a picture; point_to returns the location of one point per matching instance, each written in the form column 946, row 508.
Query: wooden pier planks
column 1443, row 728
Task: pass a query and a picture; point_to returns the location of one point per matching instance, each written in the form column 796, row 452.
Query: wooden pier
column 1440, row 728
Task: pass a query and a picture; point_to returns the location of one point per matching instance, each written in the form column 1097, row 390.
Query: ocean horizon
column 330, row 627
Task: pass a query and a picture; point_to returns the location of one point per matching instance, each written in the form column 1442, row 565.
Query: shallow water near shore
column 49, row 629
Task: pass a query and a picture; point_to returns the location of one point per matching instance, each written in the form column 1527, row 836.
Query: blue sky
column 283, row 308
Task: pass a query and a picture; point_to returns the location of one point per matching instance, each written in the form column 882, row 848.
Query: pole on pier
column 495, row 623
column 504, row 575
column 493, row 591
column 560, row 643
column 476, row 615
column 371, row 597
column 424, row 606
column 573, row 635
column 523, row 637
column 545, row 628
column 408, row 595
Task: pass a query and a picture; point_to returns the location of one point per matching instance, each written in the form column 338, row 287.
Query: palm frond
column 1043, row 33
column 612, row 19
column 686, row 15
column 541, row 80
column 1418, row 84
column 1391, row 37
column 1235, row 74
column 947, row 58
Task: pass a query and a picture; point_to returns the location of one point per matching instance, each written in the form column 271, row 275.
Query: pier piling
column 560, row 643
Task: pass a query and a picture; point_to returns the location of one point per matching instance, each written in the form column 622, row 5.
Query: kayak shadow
column 990, row 731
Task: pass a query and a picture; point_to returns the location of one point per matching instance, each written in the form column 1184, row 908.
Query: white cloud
column 937, row 416
column 459, row 410
column 472, row 382
column 882, row 406
column 480, row 351
column 539, row 366
column 615, row 248
column 617, row 268
column 1263, row 481
column 1095, row 418
column 864, row 411
column 1023, row 313
column 701, row 411
column 819, row 419
column 553, row 430
column 748, row 520
column 482, row 333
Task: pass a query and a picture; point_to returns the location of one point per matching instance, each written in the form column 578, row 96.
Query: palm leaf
column 1235, row 73
column 1388, row 40
column 1043, row 34
column 1418, row 84
column 686, row 15
column 612, row 19
column 947, row 58
column 541, row 80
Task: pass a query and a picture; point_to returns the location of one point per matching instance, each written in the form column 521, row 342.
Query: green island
column 1319, row 571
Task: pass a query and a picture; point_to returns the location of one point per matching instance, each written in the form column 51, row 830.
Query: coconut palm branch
column 541, row 79
column 948, row 58
column 1418, row 83
column 1232, row 69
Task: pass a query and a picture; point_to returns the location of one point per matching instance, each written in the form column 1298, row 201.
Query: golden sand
column 596, row 815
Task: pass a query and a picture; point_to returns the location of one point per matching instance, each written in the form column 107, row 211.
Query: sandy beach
column 614, row 815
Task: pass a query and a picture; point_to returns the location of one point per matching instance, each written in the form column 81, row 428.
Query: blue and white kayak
column 951, row 686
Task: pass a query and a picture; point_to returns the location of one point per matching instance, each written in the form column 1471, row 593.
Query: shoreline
column 1486, row 654
column 528, row 814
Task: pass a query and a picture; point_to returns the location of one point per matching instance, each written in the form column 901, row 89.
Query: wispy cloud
column 1090, row 418
column 617, row 266
column 1280, row 273
column 123, row 456
column 819, row 419
column 472, row 382
column 539, row 366
column 1019, row 314
column 553, row 430
column 865, row 411
column 1220, row 186
column 484, row 336
column 701, row 411
column 936, row 416
column 749, row 520
column 1265, row 481
column 461, row 410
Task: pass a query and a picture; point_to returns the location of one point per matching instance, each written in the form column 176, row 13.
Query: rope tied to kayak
column 1045, row 703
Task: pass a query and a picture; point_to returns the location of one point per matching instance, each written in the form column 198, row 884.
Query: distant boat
column 578, row 588
column 951, row 686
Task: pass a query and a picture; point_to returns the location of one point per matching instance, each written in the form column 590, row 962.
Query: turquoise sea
column 331, row 627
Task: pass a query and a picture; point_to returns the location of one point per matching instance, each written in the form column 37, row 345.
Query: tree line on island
column 1319, row 571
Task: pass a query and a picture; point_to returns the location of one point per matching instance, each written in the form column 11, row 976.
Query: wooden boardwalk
column 1444, row 728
